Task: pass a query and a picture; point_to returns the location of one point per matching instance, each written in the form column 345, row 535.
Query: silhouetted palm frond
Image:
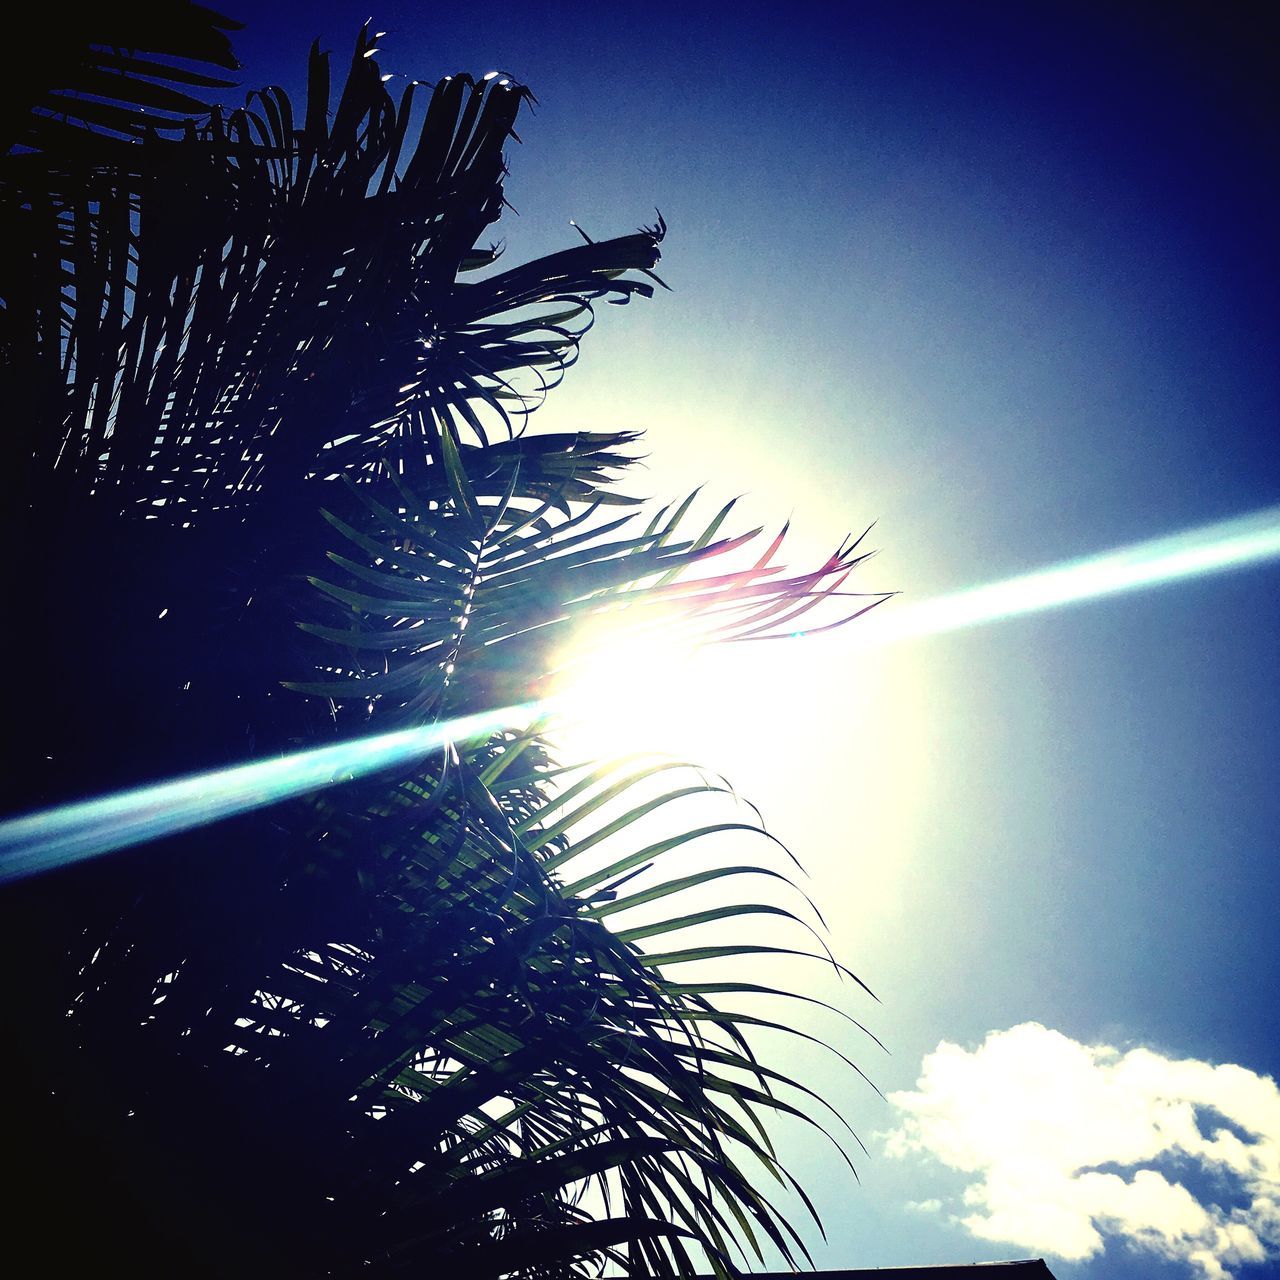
column 80, row 80
column 271, row 474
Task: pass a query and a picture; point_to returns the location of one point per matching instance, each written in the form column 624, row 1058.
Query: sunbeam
column 640, row 688
column 1194, row 553
column 73, row 832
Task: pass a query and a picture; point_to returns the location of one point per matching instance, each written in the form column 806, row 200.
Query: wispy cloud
column 1061, row 1141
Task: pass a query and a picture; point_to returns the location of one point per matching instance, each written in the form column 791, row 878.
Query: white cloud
column 1060, row 1139
column 925, row 1206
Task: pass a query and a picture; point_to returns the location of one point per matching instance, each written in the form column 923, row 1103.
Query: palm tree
column 272, row 487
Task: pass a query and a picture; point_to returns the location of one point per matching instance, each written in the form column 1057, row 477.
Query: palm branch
column 271, row 457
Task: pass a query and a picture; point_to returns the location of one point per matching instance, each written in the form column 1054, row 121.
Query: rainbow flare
column 1194, row 553
column 71, row 833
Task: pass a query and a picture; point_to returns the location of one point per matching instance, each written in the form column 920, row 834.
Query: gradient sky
column 1004, row 280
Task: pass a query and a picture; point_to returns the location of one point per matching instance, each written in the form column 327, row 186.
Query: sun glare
column 620, row 690
column 643, row 684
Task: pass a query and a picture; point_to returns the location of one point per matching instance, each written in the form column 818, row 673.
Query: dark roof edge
column 1022, row 1269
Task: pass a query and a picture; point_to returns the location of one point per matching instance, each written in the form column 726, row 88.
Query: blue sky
column 1002, row 279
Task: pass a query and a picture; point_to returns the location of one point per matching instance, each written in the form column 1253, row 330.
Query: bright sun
column 621, row 690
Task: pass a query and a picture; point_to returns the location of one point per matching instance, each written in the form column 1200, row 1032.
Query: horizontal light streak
column 71, row 833
column 1194, row 553
column 86, row 829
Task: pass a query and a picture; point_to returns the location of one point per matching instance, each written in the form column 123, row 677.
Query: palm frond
column 108, row 76
column 269, row 396
column 457, row 573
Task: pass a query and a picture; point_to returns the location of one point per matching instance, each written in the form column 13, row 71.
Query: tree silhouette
column 270, row 486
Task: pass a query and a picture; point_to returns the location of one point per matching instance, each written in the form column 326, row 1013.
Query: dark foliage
column 268, row 485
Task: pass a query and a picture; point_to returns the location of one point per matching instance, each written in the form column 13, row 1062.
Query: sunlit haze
column 622, row 688
column 647, row 688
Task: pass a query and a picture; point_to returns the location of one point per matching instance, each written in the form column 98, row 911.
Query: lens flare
column 73, row 832
column 1194, row 553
